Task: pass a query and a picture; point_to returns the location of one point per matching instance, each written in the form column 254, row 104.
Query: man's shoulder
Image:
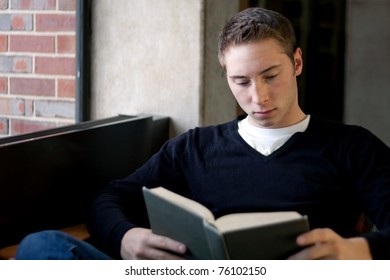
column 347, row 133
column 215, row 130
column 205, row 137
column 319, row 124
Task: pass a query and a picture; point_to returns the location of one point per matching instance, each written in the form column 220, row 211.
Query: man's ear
column 298, row 61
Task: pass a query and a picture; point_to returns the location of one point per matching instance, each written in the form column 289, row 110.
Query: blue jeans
column 56, row 245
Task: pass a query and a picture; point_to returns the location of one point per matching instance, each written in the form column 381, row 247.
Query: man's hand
column 326, row 244
column 141, row 243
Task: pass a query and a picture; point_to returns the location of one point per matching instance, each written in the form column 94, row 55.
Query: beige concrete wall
column 367, row 83
column 218, row 103
column 149, row 57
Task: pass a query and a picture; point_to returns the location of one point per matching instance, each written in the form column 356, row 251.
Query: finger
column 166, row 244
column 148, row 251
column 318, row 251
column 158, row 254
column 319, row 235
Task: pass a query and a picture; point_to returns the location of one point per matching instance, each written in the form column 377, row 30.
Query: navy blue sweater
column 331, row 172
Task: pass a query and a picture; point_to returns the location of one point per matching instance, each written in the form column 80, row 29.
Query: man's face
column 263, row 80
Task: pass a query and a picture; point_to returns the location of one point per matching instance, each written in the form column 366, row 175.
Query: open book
column 264, row 235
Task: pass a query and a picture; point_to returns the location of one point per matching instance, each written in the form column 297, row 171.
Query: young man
column 275, row 158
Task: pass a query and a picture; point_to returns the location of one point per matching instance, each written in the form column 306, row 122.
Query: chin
column 263, row 123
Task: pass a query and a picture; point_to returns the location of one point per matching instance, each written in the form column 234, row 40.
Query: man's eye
column 242, row 83
column 270, row 78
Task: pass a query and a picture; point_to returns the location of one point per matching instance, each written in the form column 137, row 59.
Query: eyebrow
column 260, row 73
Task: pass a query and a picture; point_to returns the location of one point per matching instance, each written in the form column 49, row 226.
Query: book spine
column 216, row 242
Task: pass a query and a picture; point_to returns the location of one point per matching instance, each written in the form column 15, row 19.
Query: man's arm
column 121, row 207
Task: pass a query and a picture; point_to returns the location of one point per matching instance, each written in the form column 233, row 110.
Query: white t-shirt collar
column 268, row 140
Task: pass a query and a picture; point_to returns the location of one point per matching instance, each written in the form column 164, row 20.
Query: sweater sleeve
column 121, row 206
column 370, row 159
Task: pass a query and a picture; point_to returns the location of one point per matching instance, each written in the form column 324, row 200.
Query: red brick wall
column 37, row 65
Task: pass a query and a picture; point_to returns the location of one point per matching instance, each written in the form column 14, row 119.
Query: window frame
column 83, row 73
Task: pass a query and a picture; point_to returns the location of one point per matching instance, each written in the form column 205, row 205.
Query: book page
column 184, row 202
column 232, row 222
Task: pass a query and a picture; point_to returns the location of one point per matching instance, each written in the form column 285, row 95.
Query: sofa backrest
column 48, row 178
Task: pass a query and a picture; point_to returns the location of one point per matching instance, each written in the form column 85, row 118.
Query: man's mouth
column 263, row 113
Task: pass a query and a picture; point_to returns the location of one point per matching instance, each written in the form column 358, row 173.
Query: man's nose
column 259, row 93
